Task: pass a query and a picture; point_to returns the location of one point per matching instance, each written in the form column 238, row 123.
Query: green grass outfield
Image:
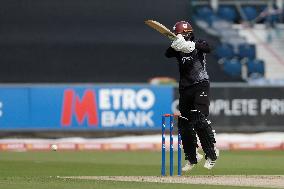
column 38, row 170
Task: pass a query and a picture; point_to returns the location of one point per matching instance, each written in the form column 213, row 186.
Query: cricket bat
column 161, row 29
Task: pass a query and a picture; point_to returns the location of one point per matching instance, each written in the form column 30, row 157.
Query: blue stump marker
column 163, row 170
column 171, row 146
column 179, row 153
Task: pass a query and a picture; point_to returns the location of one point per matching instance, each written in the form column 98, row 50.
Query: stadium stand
column 225, row 51
column 228, row 13
column 232, row 67
column 250, row 12
column 255, row 68
column 246, row 51
column 237, row 50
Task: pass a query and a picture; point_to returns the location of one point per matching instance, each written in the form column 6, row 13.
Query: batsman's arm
column 203, row 46
column 170, row 52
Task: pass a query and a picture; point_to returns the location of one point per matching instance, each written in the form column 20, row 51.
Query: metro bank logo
column 108, row 107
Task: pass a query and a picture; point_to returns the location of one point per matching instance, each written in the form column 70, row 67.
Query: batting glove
column 188, row 47
column 179, row 43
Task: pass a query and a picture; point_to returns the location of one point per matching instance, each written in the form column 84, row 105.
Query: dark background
column 89, row 41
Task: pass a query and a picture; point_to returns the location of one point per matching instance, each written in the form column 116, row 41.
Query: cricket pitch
column 269, row 181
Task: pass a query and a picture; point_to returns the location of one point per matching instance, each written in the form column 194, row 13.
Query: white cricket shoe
column 209, row 164
column 188, row 166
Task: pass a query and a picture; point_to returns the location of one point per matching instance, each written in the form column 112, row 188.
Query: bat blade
column 161, row 29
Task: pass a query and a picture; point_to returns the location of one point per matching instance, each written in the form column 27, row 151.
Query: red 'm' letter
column 83, row 108
column 86, row 107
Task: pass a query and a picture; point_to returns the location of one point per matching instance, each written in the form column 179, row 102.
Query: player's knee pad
column 205, row 133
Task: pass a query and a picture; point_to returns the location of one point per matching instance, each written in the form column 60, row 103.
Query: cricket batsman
column 194, row 96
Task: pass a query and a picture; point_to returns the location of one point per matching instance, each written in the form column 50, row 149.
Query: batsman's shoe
column 188, row 166
column 209, row 164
